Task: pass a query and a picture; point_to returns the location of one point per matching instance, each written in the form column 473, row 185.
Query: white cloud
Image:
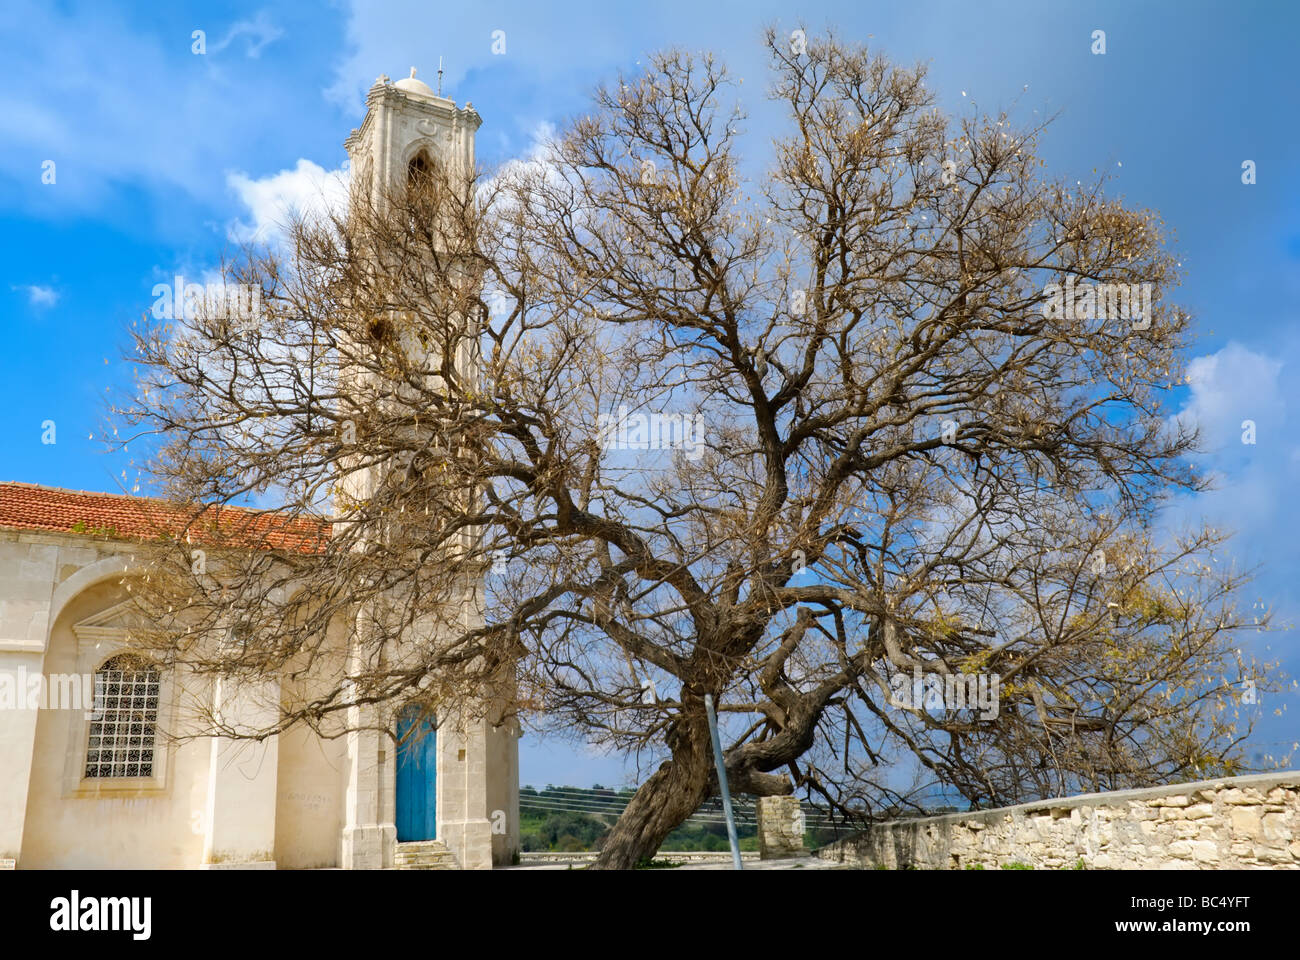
column 540, row 159
column 307, row 190
column 259, row 29
column 39, row 296
column 1253, row 481
column 395, row 35
column 75, row 92
column 1228, row 387
column 1254, row 484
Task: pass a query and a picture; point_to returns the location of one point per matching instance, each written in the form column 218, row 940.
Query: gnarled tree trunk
column 670, row 795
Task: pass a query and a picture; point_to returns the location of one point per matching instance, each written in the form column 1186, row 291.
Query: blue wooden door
column 416, row 772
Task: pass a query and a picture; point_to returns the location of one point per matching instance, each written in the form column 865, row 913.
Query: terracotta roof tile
column 28, row 506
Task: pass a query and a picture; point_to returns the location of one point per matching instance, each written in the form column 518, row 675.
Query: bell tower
column 465, row 786
column 408, row 130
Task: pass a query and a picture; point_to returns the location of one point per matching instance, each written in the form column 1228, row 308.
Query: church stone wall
column 309, row 809
column 50, row 816
column 36, row 570
column 1234, row 823
column 73, row 822
column 210, row 803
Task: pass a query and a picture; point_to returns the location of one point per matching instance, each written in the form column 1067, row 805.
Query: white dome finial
column 412, row 85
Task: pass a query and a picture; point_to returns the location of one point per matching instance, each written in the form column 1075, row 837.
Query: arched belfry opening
column 419, row 171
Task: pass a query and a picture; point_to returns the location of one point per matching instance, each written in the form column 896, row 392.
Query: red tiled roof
column 28, row 506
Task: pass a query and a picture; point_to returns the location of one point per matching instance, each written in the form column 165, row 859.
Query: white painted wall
column 74, row 822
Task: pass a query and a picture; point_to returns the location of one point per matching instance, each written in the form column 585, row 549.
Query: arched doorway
column 417, row 748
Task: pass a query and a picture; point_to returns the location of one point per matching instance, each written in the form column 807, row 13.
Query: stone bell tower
column 408, row 128
column 474, row 763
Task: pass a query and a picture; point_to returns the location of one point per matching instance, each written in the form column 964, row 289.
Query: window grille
column 126, row 712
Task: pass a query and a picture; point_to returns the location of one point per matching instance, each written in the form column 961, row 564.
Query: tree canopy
column 617, row 427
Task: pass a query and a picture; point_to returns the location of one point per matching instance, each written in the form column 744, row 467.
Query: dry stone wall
column 1234, row 823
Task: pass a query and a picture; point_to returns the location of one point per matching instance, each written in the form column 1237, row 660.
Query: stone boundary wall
column 1232, row 823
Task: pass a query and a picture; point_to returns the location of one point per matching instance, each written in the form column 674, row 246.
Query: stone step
column 424, row 855
column 428, row 865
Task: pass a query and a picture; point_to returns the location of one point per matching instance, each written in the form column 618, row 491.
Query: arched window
column 126, row 714
column 419, row 170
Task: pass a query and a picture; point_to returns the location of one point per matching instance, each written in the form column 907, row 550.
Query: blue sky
column 163, row 158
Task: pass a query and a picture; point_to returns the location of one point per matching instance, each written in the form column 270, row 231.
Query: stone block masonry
column 780, row 828
column 1233, row 823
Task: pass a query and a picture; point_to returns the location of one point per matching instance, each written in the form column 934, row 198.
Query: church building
column 88, row 776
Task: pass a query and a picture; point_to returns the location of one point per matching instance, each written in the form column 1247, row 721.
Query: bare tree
column 623, row 428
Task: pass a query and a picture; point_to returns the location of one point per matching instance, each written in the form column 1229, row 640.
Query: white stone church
column 106, row 788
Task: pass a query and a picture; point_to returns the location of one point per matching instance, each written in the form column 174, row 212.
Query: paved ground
column 801, row 863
